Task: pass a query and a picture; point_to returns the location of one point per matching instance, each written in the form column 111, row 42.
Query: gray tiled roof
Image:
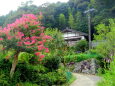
column 71, row 30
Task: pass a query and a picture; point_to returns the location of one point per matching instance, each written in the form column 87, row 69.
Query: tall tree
column 78, row 19
column 62, row 21
column 81, row 22
column 71, row 21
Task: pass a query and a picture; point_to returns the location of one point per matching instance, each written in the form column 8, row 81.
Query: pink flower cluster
column 28, row 31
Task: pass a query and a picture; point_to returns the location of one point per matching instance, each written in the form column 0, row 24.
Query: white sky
column 7, row 5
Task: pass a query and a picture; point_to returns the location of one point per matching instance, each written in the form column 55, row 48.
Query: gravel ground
column 85, row 80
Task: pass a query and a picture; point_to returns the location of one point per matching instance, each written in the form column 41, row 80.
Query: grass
column 107, row 80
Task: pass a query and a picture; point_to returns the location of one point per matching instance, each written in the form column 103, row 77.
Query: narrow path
column 85, row 80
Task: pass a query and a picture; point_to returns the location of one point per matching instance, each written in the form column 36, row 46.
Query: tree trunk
column 14, row 63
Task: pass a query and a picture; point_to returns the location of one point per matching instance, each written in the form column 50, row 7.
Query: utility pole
column 89, row 30
column 88, row 12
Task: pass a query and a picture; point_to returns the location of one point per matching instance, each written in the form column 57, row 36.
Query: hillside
column 71, row 14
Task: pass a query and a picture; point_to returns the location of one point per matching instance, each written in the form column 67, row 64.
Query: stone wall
column 87, row 66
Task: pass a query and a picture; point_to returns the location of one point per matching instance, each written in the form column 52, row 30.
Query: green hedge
column 80, row 57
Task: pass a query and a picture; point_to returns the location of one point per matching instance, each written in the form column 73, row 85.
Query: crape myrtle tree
column 24, row 35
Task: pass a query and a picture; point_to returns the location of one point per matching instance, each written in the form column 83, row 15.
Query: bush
column 52, row 63
column 70, row 58
column 108, row 77
column 82, row 46
column 5, row 65
column 26, row 84
column 105, row 38
column 3, row 79
column 34, row 74
column 81, row 57
column 51, row 78
column 57, row 46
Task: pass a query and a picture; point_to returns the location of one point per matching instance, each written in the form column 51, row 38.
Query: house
column 73, row 36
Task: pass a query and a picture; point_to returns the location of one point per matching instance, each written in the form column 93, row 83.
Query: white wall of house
column 72, row 37
column 69, row 34
column 82, row 37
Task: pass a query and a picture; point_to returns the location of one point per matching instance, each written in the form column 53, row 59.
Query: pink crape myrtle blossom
column 1, row 38
column 46, row 50
column 28, row 32
column 29, row 43
column 38, row 53
column 42, row 56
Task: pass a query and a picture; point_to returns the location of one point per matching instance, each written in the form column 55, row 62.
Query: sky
column 7, row 5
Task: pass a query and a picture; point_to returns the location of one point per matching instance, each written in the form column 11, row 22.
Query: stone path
column 85, row 80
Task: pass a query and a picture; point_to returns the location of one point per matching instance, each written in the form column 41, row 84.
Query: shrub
column 57, row 46
column 52, row 63
column 3, row 79
column 34, row 74
column 51, row 78
column 70, row 58
column 24, row 57
column 81, row 57
column 5, row 65
column 108, row 77
column 82, row 46
column 105, row 38
column 26, row 84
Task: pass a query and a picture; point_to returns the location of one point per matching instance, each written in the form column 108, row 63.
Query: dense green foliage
column 30, row 70
column 81, row 57
column 106, row 38
column 52, row 62
column 57, row 46
column 62, row 21
column 39, row 74
column 106, row 46
column 51, row 71
column 82, row 46
column 108, row 77
column 70, row 14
